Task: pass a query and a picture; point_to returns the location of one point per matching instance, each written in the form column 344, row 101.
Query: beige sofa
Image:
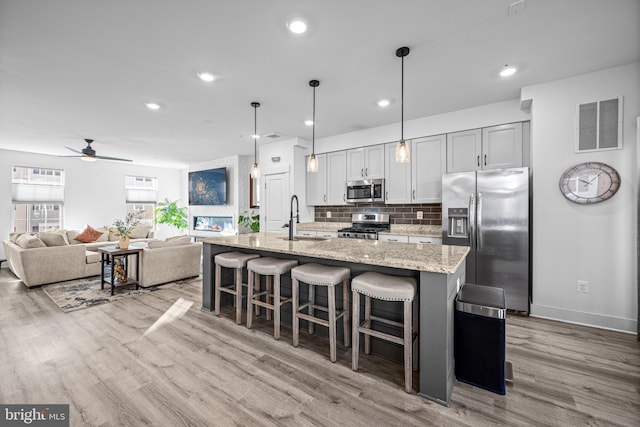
column 166, row 261
column 48, row 257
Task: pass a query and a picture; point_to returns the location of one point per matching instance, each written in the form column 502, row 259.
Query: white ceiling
column 74, row 69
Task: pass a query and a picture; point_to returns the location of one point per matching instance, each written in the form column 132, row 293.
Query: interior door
column 276, row 204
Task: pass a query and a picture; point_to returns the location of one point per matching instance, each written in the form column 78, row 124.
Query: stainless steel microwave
column 368, row 190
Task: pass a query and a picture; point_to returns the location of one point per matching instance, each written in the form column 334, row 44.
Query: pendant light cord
column 402, row 101
column 313, row 130
column 255, row 133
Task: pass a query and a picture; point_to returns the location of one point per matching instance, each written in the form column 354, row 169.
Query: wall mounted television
column 208, row 187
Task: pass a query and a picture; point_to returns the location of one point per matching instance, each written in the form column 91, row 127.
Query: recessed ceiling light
column 507, row 71
column 383, row 103
column 308, row 122
column 207, row 77
column 297, row 26
column 152, row 106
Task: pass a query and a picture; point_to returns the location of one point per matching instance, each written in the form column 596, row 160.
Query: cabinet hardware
column 478, row 160
column 362, row 172
column 414, row 194
column 392, row 240
column 344, row 197
column 386, row 195
column 325, row 197
column 366, row 171
column 485, row 160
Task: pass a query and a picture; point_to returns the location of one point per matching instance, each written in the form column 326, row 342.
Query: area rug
column 84, row 293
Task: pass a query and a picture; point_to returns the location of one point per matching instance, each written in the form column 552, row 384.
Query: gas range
column 365, row 226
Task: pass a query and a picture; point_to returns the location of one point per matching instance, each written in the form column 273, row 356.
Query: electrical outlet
column 419, row 215
column 583, row 286
column 328, row 214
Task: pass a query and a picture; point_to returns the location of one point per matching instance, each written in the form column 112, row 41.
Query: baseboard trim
column 612, row 323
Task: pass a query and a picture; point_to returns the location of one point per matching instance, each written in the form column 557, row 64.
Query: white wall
column 94, row 191
column 238, row 169
column 572, row 242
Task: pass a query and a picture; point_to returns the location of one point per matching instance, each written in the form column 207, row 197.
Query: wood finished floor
column 201, row 370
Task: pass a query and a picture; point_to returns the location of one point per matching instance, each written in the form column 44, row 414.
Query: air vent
column 599, row 125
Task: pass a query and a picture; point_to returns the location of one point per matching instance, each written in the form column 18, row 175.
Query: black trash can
column 479, row 337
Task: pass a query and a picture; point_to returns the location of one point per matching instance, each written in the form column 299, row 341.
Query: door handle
column 485, row 160
column 414, row 194
column 471, row 219
column 362, row 172
column 366, row 171
column 478, row 160
column 479, row 215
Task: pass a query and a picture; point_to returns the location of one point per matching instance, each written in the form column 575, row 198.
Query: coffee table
column 111, row 253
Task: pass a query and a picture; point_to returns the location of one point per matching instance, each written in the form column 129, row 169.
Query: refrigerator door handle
column 479, row 215
column 472, row 220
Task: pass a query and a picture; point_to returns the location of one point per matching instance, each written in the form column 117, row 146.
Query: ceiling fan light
column 312, row 164
column 255, row 171
column 402, row 152
column 507, row 71
column 88, row 158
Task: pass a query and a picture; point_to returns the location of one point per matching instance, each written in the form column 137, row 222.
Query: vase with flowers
column 124, row 227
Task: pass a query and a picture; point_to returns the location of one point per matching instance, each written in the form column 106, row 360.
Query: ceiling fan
column 89, row 154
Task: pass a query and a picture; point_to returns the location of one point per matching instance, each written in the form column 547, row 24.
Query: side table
column 112, row 253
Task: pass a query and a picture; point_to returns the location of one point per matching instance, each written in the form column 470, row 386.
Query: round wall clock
column 590, row 182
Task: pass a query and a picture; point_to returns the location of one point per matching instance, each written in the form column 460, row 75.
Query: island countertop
column 442, row 259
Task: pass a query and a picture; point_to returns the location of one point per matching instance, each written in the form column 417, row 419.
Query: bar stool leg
column 345, row 318
column 355, row 323
column 250, row 289
column 276, row 307
column 295, row 286
column 331, row 294
column 408, row 353
column 217, row 285
column 312, row 303
column 238, row 295
column 256, row 285
column 267, row 296
column 367, row 319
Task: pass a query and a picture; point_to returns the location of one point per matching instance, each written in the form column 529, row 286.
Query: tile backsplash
column 400, row 214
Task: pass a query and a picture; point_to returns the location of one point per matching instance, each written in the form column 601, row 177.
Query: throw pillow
column 88, row 235
column 14, row 237
column 105, row 234
column 140, row 232
column 181, row 240
column 71, row 236
column 53, row 238
column 28, row 241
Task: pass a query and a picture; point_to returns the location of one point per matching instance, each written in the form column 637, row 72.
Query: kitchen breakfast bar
column 439, row 270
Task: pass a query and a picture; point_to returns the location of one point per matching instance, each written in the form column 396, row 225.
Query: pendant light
column 255, row 169
column 402, row 149
column 312, row 165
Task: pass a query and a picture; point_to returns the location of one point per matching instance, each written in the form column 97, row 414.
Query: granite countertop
column 415, row 230
column 331, row 227
column 442, row 259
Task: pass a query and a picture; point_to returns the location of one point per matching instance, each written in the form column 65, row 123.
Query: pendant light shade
column 312, row 164
column 255, row 168
column 403, row 154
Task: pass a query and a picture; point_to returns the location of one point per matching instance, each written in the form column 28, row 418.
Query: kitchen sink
column 312, row 238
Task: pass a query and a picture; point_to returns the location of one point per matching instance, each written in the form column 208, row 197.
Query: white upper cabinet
column 317, row 182
column 365, row 163
column 337, row 178
column 494, row 147
column 428, row 163
column 397, row 177
column 502, row 146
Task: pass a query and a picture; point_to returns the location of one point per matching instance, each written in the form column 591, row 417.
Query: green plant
column 124, row 227
column 250, row 221
column 168, row 212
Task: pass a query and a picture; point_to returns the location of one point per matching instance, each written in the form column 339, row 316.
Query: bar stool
column 237, row 261
column 328, row 276
column 388, row 288
column 270, row 267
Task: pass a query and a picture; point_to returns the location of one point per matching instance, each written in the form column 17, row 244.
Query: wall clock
column 590, row 182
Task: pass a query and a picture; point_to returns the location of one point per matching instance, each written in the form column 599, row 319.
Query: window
column 142, row 194
column 37, row 196
column 599, row 125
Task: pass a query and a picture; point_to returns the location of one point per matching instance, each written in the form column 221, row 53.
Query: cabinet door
column 393, row 237
column 463, row 151
column 337, row 178
column 428, row 162
column 397, row 177
column 355, row 164
column 502, row 146
column 317, row 183
column 374, row 161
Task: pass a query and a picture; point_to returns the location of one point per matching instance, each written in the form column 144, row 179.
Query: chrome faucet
column 291, row 216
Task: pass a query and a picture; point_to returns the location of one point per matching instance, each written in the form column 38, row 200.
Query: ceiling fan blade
column 73, row 149
column 113, row 158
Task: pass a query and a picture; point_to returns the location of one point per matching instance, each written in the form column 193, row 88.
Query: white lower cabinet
column 423, row 239
column 393, row 238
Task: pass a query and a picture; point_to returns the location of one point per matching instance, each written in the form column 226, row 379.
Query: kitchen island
column 438, row 269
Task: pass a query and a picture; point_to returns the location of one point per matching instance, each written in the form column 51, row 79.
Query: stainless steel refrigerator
column 489, row 212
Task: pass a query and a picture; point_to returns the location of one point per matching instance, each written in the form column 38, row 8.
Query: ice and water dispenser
column 458, row 225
